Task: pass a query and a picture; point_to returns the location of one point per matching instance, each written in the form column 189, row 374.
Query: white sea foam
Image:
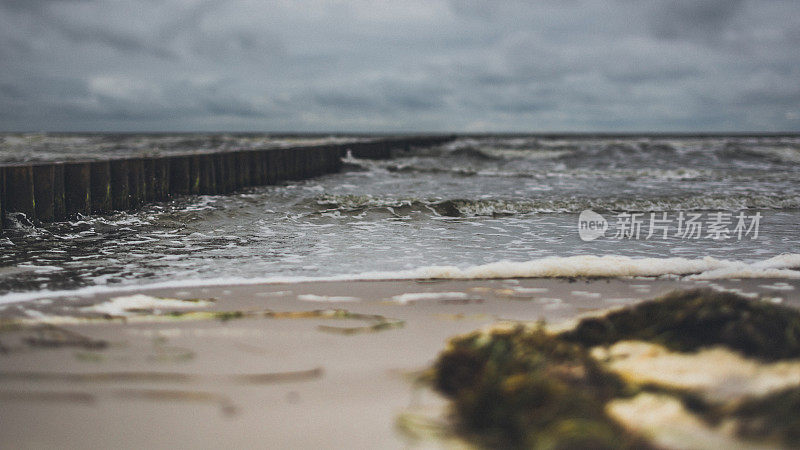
column 118, row 306
column 412, row 297
column 326, row 298
column 779, row 267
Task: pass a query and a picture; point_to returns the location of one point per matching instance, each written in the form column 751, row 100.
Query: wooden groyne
column 55, row 191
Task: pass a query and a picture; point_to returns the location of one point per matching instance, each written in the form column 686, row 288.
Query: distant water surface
column 470, row 202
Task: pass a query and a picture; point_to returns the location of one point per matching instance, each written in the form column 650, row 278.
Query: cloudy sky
column 373, row 65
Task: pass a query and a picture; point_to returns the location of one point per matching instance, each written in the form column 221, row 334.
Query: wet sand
column 275, row 374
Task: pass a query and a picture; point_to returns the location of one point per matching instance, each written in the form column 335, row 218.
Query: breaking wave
column 350, row 204
column 786, row 266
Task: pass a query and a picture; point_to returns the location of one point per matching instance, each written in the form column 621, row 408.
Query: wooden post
column 180, row 175
column 279, row 157
column 208, row 174
column 318, row 160
column 273, row 166
column 224, row 172
column 231, row 168
column 43, row 184
column 136, row 187
column 120, row 194
column 78, row 188
column 194, row 174
column 20, row 195
column 156, row 174
column 266, row 168
column 219, row 173
column 257, row 175
column 242, row 169
column 101, row 187
column 2, row 197
column 148, row 166
column 304, row 163
column 59, row 199
column 292, row 161
column 335, row 159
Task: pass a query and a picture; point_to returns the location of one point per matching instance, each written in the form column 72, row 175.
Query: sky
column 400, row 66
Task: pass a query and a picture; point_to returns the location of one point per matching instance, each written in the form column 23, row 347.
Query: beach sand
column 269, row 379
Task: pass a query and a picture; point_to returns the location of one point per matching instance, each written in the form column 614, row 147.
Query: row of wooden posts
column 55, row 191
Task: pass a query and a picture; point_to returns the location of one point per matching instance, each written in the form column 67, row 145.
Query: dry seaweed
column 169, row 353
column 46, row 396
column 98, row 377
column 161, row 377
column 378, row 322
column 418, row 427
column 279, row 377
column 55, row 337
column 689, row 320
column 226, row 406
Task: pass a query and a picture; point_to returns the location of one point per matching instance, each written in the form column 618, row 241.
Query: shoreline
column 589, row 267
column 304, row 364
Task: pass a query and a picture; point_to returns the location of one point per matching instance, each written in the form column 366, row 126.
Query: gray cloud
column 357, row 65
column 678, row 19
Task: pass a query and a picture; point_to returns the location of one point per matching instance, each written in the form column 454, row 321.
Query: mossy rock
column 686, row 321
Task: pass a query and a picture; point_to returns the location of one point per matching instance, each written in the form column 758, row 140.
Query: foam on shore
column 786, row 266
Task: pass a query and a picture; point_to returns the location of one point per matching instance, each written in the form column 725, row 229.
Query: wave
column 785, row 266
column 442, row 167
column 497, row 207
column 776, row 149
column 587, row 165
column 776, row 152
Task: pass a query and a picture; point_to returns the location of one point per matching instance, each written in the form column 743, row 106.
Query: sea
column 480, row 206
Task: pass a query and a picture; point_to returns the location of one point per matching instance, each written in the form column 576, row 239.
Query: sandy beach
column 326, row 364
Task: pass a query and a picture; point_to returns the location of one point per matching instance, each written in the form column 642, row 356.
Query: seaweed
column 55, row 337
column 162, row 377
column 686, row 321
column 519, row 386
column 68, row 338
column 523, row 387
column 225, row 316
column 47, row 396
column 774, row 418
column 98, row 377
column 92, row 357
column 224, row 403
column 280, row 377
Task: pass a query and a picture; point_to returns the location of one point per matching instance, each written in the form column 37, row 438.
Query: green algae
column 686, row 321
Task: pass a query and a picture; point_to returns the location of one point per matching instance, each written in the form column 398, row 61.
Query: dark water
column 471, row 202
column 25, row 147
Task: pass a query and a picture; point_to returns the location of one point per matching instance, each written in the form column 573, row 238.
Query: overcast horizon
column 416, row 66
